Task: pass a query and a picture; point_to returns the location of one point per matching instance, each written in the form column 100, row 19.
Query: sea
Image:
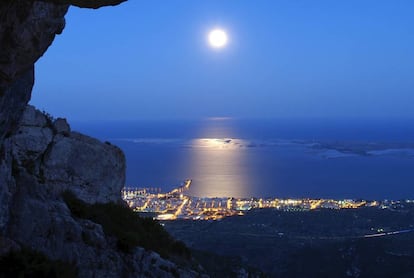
column 285, row 158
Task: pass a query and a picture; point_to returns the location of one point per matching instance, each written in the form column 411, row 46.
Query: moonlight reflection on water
column 217, row 163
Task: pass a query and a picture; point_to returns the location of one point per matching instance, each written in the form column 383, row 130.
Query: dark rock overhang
column 94, row 4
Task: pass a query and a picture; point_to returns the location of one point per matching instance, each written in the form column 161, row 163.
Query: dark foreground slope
column 320, row 243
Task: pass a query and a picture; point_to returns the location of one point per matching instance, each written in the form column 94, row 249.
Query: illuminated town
column 177, row 205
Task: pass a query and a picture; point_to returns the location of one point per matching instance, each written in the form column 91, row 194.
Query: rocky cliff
column 47, row 159
column 41, row 158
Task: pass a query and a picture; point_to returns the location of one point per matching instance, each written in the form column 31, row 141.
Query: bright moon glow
column 217, row 38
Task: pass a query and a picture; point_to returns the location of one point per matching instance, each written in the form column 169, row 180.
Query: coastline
column 177, row 204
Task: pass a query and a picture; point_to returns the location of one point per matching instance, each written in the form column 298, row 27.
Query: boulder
column 61, row 126
column 66, row 160
column 93, row 170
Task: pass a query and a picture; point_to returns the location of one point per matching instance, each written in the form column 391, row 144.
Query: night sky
column 151, row 59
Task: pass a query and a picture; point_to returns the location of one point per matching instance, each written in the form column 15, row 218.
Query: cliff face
column 51, row 156
column 40, row 158
column 27, row 28
column 46, row 159
column 43, row 157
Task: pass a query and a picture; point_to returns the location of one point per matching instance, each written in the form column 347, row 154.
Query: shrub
column 49, row 118
column 28, row 263
column 127, row 227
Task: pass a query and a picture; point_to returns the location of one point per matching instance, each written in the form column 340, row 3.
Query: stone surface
column 46, row 164
column 93, row 170
column 61, row 126
column 33, row 118
column 27, row 29
column 7, row 185
column 44, row 223
column 13, row 100
column 32, row 138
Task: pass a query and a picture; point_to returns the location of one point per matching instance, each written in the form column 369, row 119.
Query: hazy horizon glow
column 289, row 59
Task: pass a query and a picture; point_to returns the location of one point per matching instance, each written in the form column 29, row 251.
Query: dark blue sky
column 146, row 59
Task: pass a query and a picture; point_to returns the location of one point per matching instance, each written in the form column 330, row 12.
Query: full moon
column 217, row 38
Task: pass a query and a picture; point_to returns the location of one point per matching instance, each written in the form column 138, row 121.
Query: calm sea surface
column 264, row 158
